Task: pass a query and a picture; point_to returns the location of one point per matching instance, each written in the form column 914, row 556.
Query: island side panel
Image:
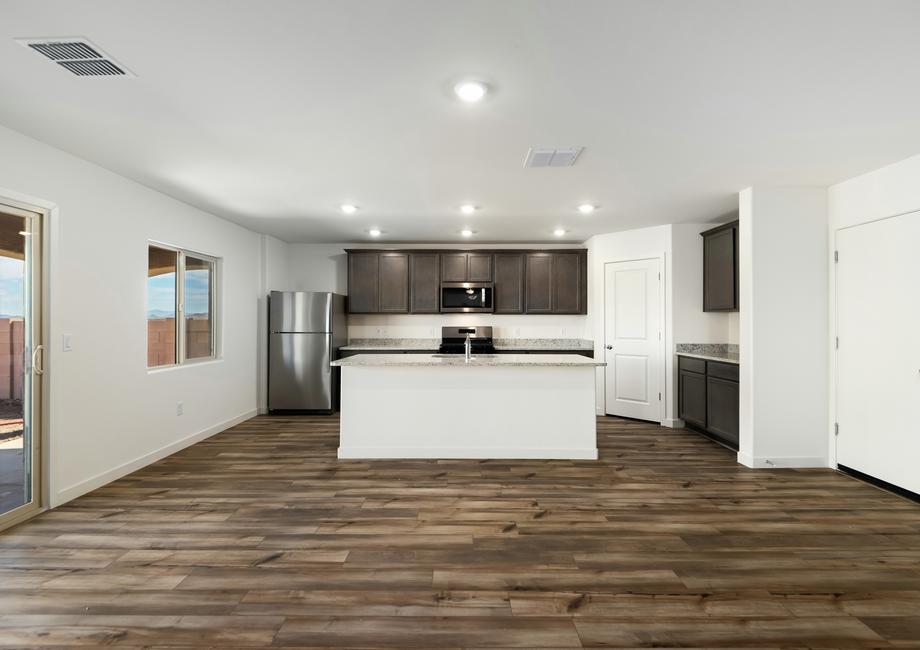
column 468, row 412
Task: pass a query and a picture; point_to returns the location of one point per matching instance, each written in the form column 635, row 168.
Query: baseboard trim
column 672, row 423
column 94, row 482
column 787, row 462
column 372, row 453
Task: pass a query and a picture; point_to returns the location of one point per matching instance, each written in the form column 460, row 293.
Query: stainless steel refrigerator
column 306, row 329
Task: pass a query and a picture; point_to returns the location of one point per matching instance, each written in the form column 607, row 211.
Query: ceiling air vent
column 78, row 55
column 547, row 157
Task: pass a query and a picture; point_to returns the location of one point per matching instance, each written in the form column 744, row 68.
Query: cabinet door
column 394, row 283
column 479, row 267
column 509, row 283
column 722, row 409
column 567, row 285
column 691, row 398
column 539, row 283
column 720, row 271
column 424, row 283
column 363, row 275
column 454, row 267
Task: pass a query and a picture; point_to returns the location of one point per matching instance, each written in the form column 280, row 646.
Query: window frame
column 180, row 325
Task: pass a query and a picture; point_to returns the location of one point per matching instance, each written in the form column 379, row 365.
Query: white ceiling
column 271, row 114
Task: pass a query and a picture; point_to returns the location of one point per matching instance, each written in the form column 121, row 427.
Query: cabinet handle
column 609, row 347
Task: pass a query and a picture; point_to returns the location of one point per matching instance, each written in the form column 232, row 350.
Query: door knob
column 609, row 347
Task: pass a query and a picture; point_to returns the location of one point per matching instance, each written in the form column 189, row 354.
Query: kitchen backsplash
column 504, row 326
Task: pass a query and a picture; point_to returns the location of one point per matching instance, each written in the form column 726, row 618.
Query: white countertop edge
column 498, row 361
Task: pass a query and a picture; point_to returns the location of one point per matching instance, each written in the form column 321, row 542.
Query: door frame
column 47, row 216
column 662, row 312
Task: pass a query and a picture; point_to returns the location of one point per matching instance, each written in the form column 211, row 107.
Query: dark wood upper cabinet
column 720, row 268
column 556, row 283
column 569, row 273
column 453, row 267
column 479, row 267
column 525, row 281
column 363, row 279
column 466, row 267
column 424, row 283
column 509, row 283
column 538, row 284
column 394, row 283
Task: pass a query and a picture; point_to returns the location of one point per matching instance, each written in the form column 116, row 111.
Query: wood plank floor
column 261, row 537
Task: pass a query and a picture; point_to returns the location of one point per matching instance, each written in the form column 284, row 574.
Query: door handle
column 609, row 347
column 38, row 359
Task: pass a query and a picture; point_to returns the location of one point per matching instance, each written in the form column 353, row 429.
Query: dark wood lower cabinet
column 692, row 392
column 722, row 408
column 707, row 398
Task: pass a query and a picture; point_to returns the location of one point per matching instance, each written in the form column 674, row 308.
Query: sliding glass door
column 21, row 363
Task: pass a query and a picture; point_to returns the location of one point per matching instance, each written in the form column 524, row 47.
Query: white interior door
column 878, row 359
column 632, row 338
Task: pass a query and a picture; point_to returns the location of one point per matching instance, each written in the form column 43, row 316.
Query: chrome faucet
column 468, row 348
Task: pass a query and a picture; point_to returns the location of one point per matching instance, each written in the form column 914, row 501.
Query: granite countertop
column 500, row 344
column 458, row 360
column 727, row 357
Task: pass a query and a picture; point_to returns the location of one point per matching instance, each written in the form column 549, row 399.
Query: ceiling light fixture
column 466, row 232
column 374, row 232
column 348, row 208
column 586, row 208
column 559, row 232
column 468, row 208
column 470, row 91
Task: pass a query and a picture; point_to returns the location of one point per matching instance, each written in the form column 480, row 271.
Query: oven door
column 466, row 297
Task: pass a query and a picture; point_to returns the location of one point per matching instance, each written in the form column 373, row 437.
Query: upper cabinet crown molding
column 526, row 281
column 720, row 268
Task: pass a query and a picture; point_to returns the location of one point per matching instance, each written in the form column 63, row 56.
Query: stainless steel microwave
column 466, row 297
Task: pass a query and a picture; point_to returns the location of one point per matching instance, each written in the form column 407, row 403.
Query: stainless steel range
column 453, row 340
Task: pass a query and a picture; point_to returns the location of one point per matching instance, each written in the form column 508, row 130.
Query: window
column 180, row 306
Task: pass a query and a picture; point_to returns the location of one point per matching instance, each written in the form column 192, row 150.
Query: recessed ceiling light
column 348, row 208
column 470, row 91
column 559, row 232
column 466, row 232
column 468, row 208
column 373, row 232
column 586, row 208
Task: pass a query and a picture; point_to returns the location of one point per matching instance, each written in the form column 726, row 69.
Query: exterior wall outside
column 12, row 347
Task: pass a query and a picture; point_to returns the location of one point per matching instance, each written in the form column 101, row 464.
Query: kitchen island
column 494, row 406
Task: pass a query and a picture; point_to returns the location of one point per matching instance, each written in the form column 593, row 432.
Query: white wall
column 883, row 193
column 108, row 414
column 274, row 275
column 784, row 327
column 691, row 323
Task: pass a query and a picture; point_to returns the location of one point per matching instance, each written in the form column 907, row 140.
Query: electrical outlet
column 179, row 408
column 562, row 333
column 381, row 331
column 517, row 332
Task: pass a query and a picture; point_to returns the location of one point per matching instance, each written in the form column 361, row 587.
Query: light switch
column 67, row 342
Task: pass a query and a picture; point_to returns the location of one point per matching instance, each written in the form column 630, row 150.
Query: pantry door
column 633, row 308
column 878, row 353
